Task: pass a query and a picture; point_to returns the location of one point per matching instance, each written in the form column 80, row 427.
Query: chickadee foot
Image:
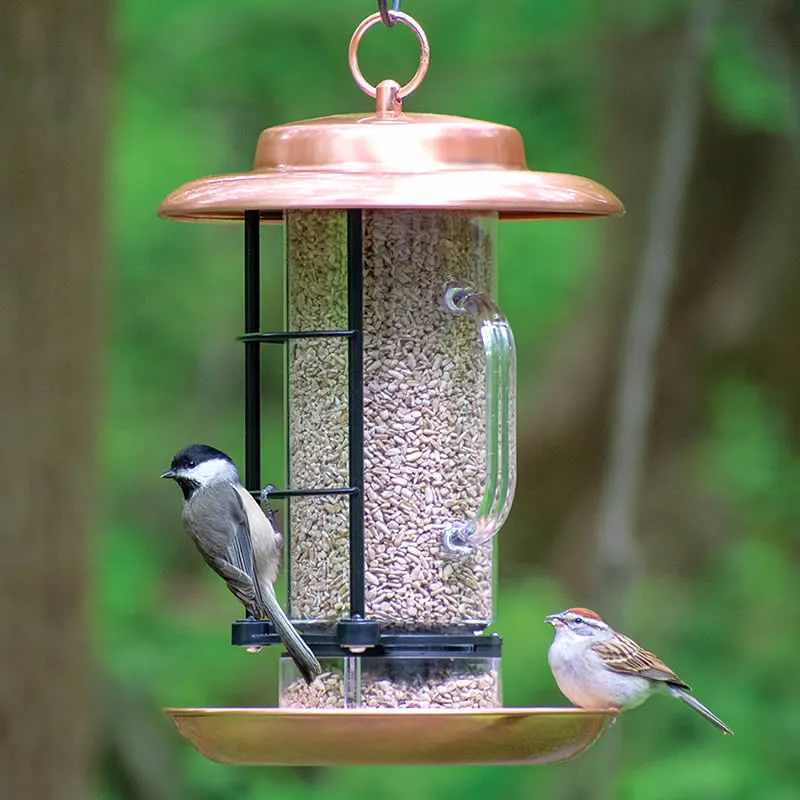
column 263, row 499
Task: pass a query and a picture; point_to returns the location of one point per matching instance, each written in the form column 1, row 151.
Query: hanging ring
column 424, row 57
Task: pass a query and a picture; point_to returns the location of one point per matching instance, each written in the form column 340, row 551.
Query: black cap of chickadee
column 236, row 540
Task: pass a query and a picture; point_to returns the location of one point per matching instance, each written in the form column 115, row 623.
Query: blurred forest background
column 659, row 376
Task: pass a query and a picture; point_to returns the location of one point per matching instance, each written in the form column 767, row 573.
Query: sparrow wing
column 623, row 655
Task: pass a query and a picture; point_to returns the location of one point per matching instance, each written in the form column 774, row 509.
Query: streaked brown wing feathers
column 623, row 655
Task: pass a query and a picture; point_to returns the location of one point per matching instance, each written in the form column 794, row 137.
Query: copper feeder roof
column 390, row 160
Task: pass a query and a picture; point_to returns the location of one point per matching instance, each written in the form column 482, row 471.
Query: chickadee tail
column 299, row 651
column 694, row 703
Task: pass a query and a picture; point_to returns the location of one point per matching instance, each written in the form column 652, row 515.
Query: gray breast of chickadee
column 236, row 540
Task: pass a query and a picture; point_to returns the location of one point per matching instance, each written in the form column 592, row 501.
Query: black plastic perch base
column 365, row 638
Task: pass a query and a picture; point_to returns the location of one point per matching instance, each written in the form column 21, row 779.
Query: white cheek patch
column 214, row 470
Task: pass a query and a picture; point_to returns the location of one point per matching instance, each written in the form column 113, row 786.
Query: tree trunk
column 54, row 63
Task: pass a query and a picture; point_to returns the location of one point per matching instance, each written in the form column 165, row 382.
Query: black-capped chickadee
column 237, row 540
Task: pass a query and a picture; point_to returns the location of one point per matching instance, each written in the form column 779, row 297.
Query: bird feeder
column 401, row 430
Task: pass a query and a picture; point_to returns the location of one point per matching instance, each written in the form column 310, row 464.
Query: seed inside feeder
column 424, row 426
column 424, row 441
column 416, row 682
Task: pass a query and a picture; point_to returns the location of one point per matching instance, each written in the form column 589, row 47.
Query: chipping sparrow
column 596, row 667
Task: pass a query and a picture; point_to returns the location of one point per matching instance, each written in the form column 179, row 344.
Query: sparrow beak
column 554, row 619
column 169, row 474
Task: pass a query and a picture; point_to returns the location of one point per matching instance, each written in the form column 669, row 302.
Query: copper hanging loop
column 389, row 94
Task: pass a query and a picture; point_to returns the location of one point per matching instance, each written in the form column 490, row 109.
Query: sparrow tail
column 300, row 652
column 694, row 703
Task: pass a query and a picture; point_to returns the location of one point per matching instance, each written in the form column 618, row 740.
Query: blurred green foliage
column 196, row 83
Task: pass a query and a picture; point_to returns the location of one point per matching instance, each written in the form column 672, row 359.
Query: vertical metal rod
column 252, row 352
column 355, row 394
column 288, row 556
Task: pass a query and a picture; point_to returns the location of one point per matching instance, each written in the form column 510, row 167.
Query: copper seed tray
column 333, row 737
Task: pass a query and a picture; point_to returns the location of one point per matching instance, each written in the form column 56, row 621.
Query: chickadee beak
column 169, row 474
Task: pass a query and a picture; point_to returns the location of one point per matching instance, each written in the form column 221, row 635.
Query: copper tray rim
column 271, row 711
column 526, row 735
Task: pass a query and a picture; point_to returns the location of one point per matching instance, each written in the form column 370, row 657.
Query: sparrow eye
column 578, row 621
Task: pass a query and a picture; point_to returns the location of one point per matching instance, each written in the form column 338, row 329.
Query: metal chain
column 383, row 10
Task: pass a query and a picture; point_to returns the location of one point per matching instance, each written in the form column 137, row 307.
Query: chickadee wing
column 217, row 524
column 243, row 587
column 240, row 548
column 623, row 655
